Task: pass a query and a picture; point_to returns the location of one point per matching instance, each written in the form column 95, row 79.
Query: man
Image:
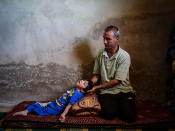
column 116, row 96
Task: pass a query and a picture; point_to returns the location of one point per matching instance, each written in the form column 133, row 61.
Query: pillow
column 87, row 106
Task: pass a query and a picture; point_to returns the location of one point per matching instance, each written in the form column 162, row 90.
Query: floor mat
column 150, row 115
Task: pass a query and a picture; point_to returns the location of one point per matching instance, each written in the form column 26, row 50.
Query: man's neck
column 112, row 51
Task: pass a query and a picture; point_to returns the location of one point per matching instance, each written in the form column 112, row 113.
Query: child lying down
column 63, row 104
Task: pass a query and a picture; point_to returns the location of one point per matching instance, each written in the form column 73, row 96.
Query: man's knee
column 128, row 117
column 107, row 116
column 109, row 113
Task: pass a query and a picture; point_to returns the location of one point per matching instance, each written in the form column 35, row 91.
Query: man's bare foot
column 21, row 113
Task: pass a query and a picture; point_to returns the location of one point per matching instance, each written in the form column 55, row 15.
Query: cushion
column 87, row 106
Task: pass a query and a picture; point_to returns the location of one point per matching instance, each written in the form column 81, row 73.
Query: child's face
column 85, row 83
column 82, row 83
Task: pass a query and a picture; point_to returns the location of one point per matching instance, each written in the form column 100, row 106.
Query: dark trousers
column 120, row 105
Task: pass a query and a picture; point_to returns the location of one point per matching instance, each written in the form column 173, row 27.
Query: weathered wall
column 45, row 46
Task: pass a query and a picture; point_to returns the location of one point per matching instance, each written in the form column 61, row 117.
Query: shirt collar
column 114, row 56
column 105, row 54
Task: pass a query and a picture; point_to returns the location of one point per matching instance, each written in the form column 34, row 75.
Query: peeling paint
column 25, row 76
column 65, row 36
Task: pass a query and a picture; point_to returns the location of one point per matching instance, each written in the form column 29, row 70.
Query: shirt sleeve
column 76, row 97
column 96, row 66
column 123, row 69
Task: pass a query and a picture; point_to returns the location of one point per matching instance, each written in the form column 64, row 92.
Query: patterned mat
column 150, row 115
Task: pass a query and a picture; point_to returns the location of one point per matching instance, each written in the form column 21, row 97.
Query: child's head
column 89, row 86
column 85, row 85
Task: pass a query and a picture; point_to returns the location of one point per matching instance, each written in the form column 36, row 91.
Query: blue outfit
column 57, row 106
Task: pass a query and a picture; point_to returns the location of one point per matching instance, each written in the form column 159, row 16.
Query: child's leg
column 25, row 112
column 32, row 107
column 38, row 109
column 43, row 110
column 53, row 108
column 43, row 104
column 22, row 113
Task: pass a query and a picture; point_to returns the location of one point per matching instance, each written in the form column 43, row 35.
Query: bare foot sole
column 21, row 113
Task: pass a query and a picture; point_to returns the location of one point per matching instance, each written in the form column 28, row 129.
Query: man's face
column 110, row 41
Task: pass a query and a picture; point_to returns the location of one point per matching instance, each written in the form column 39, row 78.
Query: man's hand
column 105, row 85
column 62, row 118
column 93, row 89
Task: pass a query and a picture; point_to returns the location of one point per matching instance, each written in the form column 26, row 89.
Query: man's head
column 111, row 37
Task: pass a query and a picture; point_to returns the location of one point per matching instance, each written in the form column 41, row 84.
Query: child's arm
column 63, row 115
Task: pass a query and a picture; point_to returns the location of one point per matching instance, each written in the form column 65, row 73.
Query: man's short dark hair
column 114, row 28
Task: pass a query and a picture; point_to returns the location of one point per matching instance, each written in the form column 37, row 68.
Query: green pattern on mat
column 17, row 130
column 130, row 130
column 2, row 114
column 45, row 129
column 155, row 129
column 101, row 129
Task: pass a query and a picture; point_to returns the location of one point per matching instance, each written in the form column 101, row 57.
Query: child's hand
column 62, row 118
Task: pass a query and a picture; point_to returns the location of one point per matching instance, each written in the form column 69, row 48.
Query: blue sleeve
column 76, row 97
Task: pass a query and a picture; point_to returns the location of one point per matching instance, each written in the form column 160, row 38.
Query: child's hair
column 89, row 87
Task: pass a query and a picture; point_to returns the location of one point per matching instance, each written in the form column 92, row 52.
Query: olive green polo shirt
column 116, row 67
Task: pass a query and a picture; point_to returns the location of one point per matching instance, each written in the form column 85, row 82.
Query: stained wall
column 45, row 46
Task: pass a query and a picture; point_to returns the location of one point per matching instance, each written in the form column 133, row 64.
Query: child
column 65, row 102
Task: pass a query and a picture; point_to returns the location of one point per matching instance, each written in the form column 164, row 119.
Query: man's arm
column 109, row 84
column 63, row 115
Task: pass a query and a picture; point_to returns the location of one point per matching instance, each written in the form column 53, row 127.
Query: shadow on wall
column 83, row 53
column 145, row 38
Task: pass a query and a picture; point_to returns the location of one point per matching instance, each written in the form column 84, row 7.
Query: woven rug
column 150, row 115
